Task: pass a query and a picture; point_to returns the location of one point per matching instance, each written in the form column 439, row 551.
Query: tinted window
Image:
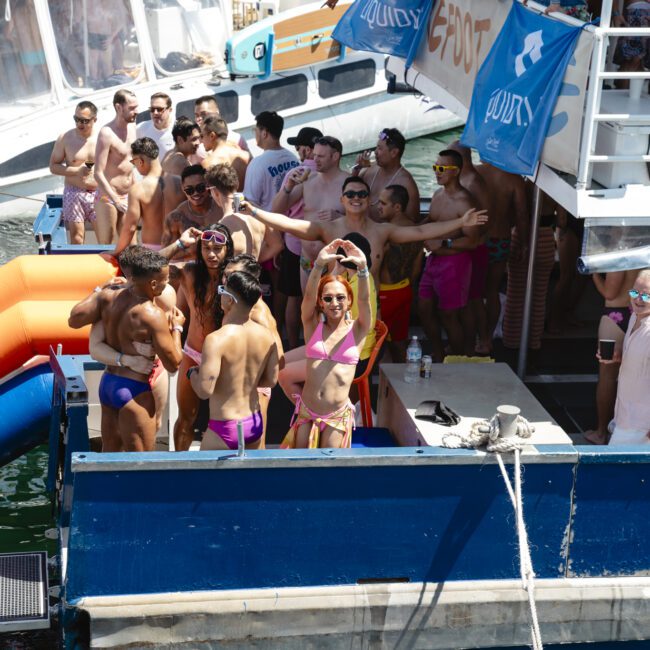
column 228, row 103
column 346, row 78
column 279, row 95
column 28, row 161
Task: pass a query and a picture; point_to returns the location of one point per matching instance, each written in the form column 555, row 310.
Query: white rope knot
column 488, row 432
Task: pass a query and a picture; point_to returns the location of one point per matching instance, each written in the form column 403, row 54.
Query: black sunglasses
column 191, row 189
column 351, row 194
column 158, row 109
column 82, row 120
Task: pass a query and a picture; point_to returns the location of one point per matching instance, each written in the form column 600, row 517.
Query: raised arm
column 204, row 379
column 437, row 230
column 364, row 319
column 326, row 255
column 296, row 227
column 89, row 310
column 186, row 243
column 290, row 192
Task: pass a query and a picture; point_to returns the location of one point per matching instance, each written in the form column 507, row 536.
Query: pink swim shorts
column 78, row 204
column 447, row 277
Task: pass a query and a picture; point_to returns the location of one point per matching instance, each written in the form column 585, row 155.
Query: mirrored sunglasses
column 214, row 235
column 199, row 188
column 634, row 294
column 222, row 291
column 351, row 194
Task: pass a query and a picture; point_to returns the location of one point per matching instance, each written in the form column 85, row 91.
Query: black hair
column 270, row 121
column 145, row 147
column 394, row 140
column 223, row 177
column 216, row 125
column 245, row 286
column 362, row 244
column 250, row 264
column 145, row 263
column 329, row 141
column 354, row 179
column 454, row 155
column 398, row 194
column 86, row 104
column 207, row 98
column 125, row 258
column 192, row 170
column 183, row 128
column 202, row 278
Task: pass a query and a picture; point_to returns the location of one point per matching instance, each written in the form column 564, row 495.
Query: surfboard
column 292, row 39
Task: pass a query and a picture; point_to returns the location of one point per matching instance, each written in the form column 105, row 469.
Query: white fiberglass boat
column 55, row 53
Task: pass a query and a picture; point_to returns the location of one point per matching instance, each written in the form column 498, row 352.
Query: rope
column 488, row 433
column 21, row 196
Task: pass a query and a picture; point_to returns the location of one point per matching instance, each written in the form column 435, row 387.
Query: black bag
column 437, row 412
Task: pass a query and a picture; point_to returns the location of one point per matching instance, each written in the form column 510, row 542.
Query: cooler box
column 622, row 138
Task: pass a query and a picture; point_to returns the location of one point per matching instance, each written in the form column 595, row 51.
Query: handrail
column 593, row 113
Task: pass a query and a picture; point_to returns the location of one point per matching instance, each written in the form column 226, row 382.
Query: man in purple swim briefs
column 237, row 359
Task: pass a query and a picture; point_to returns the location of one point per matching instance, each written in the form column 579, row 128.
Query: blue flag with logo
column 387, row 26
column 516, row 90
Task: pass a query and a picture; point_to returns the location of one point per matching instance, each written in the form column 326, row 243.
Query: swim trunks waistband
column 394, row 286
column 115, row 391
column 192, row 354
column 227, row 429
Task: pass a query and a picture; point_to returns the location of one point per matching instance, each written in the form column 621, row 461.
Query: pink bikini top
column 347, row 352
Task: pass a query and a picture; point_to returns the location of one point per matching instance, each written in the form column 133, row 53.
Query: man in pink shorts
column 447, row 273
column 73, row 158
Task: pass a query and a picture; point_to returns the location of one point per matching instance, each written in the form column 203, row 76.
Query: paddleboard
column 292, row 39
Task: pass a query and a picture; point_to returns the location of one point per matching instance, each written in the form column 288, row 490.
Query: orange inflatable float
column 38, row 292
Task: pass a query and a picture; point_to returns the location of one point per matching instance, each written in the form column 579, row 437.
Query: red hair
column 325, row 280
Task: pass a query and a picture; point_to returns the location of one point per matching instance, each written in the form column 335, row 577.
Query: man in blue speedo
column 129, row 316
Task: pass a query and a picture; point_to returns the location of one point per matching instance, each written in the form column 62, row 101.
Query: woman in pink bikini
column 324, row 415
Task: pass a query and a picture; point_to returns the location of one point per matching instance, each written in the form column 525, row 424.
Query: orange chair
column 362, row 383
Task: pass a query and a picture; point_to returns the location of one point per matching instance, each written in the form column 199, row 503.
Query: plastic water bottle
column 413, row 359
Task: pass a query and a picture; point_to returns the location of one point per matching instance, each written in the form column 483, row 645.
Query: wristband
column 189, row 372
column 118, row 361
column 177, row 328
column 446, row 243
column 363, row 273
column 286, row 191
column 254, row 211
column 180, row 244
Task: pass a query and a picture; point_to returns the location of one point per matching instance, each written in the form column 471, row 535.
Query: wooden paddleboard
column 292, row 39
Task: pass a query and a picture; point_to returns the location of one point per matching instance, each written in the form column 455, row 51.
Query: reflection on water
column 16, row 238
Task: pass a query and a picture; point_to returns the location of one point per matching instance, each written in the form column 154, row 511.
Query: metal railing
column 593, row 114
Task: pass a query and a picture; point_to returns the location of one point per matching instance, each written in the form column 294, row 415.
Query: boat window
column 23, row 72
column 279, row 95
column 97, row 42
column 28, row 161
column 346, row 78
column 228, row 103
column 188, row 35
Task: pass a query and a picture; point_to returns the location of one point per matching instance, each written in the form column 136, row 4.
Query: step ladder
column 23, row 592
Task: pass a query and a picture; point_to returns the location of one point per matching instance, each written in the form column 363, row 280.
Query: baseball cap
column 305, row 137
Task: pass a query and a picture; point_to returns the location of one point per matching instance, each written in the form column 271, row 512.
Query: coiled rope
column 488, row 433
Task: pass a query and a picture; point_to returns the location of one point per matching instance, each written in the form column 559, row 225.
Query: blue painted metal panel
column 611, row 523
column 183, row 529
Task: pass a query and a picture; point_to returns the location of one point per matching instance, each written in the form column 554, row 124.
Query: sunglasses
column 384, row 136
column 329, row 299
column 214, row 235
column 351, row 194
column 199, row 188
column 443, row 168
column 158, row 109
column 82, row 120
column 634, row 294
column 222, row 291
